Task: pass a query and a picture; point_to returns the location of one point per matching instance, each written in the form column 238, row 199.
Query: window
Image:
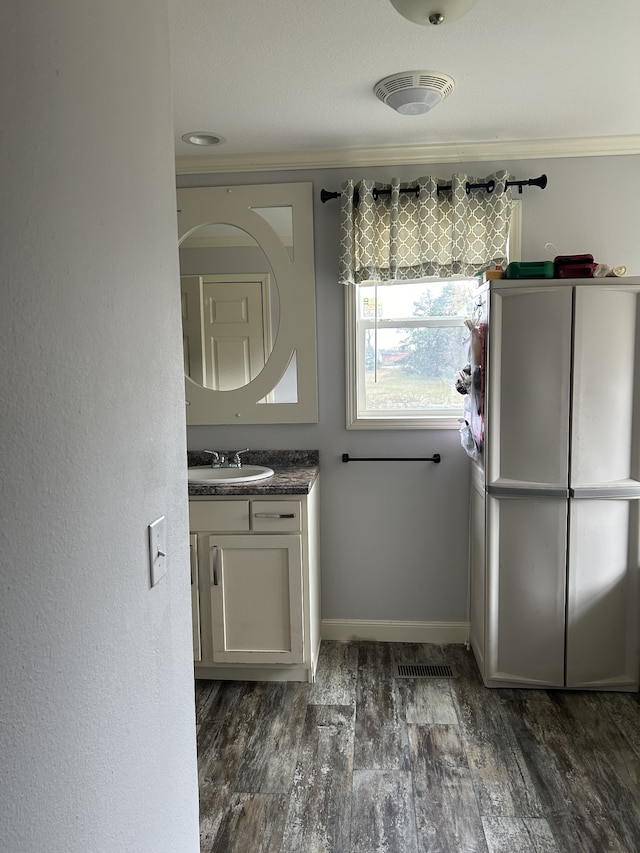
column 406, row 341
column 408, row 346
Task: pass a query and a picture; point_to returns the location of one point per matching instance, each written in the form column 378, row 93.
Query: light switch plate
column 158, row 549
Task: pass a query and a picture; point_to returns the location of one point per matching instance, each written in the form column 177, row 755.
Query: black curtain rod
column 489, row 186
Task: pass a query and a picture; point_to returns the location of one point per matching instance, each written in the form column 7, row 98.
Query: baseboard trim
column 254, row 673
column 385, row 631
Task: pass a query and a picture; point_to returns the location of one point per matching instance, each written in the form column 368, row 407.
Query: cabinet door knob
column 274, row 515
column 213, row 565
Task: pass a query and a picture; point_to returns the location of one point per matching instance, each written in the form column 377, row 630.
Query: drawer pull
column 274, row 515
column 213, row 565
column 192, row 559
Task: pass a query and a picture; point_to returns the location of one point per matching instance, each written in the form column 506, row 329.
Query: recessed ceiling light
column 203, row 137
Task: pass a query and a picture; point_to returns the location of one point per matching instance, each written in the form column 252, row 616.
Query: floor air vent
column 424, row 670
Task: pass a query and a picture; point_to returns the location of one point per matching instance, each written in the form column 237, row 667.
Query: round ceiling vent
column 413, row 93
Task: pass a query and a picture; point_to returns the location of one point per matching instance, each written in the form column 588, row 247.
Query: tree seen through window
column 415, row 346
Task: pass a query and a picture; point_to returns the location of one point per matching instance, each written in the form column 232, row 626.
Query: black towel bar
column 435, row 458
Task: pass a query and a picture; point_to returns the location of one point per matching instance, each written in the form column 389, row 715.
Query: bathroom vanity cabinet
column 255, row 585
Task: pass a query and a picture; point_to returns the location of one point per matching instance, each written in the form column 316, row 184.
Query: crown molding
column 441, row 152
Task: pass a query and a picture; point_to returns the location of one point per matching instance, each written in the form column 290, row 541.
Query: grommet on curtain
column 489, row 186
column 376, row 193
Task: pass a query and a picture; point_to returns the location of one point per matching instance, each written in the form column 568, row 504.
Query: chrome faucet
column 236, row 462
column 217, row 459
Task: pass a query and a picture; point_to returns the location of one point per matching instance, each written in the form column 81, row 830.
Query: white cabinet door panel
column 256, row 598
column 526, row 559
column 528, row 386
column 606, row 388
column 477, row 555
column 602, row 613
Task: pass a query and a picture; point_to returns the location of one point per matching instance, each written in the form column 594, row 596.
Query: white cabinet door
column 606, row 387
column 602, row 611
column 255, row 586
column 604, row 558
column 526, row 569
column 477, row 563
column 195, row 597
column 528, row 386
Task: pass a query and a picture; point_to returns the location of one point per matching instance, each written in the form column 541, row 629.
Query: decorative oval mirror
column 248, row 304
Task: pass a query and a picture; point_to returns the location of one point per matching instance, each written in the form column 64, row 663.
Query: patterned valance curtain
column 398, row 237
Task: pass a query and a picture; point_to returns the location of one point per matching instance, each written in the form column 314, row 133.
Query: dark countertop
column 295, row 473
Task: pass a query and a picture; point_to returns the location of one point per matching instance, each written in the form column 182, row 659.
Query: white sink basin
column 205, row 475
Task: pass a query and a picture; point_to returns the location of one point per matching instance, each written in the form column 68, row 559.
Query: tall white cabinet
column 555, row 499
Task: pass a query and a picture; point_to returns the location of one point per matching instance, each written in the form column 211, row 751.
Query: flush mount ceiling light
column 434, row 12
column 203, row 137
column 413, row 93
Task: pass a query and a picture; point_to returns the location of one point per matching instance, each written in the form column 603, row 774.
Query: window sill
column 392, row 423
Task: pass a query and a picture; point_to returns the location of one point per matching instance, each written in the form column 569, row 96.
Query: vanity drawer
column 276, row 516
column 224, row 516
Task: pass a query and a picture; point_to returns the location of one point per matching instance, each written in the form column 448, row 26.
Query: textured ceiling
column 293, row 75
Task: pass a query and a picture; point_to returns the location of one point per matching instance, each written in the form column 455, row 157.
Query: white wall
column 394, row 537
column 97, row 732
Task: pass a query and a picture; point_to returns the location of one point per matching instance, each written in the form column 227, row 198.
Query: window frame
column 353, row 384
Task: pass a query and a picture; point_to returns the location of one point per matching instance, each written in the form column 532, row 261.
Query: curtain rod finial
column 325, row 195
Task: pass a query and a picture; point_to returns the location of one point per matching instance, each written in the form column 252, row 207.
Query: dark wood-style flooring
column 362, row 762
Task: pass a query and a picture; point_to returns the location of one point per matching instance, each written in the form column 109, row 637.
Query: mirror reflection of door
column 230, row 307
column 192, row 341
column 227, row 345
